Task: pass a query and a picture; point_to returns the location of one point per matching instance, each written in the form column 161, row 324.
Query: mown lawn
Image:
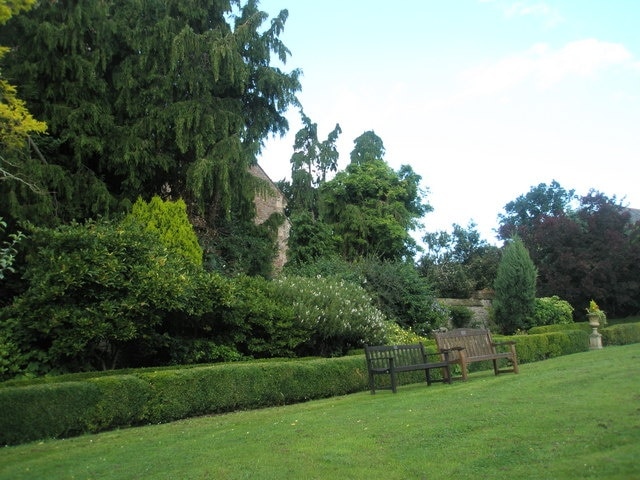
column 571, row 417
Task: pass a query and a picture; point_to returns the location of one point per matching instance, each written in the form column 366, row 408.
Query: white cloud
column 538, row 9
column 582, row 58
column 545, row 66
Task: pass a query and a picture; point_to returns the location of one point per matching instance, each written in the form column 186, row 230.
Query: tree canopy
column 372, row 209
column 584, row 248
column 540, row 203
column 459, row 262
column 145, row 96
column 16, row 122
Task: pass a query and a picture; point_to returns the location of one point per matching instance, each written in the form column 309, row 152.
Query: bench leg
column 427, row 372
column 463, row 365
column 465, row 371
column 372, row 383
column 515, row 364
column 394, row 381
column 446, row 374
column 495, row 366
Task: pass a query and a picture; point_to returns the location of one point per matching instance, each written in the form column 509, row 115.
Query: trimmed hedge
column 540, row 346
column 43, row 408
column 561, row 328
column 619, row 334
column 55, row 410
column 622, row 334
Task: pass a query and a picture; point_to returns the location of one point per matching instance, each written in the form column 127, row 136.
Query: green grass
column 571, row 417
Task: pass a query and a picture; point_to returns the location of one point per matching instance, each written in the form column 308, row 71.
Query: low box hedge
column 44, row 408
column 563, row 327
column 622, row 334
column 35, row 411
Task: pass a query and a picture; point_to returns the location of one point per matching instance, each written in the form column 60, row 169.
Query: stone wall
column 267, row 203
column 479, row 304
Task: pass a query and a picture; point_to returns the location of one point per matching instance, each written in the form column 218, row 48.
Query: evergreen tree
column 515, row 287
column 367, row 147
column 312, row 159
column 371, row 208
column 145, row 95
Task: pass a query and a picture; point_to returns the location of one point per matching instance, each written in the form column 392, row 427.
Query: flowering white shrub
column 338, row 315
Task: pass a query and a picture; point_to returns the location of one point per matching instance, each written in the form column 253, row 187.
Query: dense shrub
column 185, row 351
column 337, row 315
column 552, row 311
column 97, row 291
column 260, row 322
column 396, row 335
column 460, row 315
column 169, row 221
column 396, row 288
column 43, row 411
column 402, row 294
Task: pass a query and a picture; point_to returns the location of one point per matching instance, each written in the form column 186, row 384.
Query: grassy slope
column 571, row 417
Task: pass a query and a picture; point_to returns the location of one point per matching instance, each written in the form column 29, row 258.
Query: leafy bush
column 460, row 315
column 535, row 347
column 8, row 249
column 259, row 322
column 45, row 411
column 552, row 311
column 402, row 294
column 396, row 288
column 328, row 266
column 193, row 351
column 169, row 220
column 396, row 335
column 97, row 291
column 337, row 315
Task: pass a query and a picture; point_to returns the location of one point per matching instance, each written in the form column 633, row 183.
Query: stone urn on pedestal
column 595, row 317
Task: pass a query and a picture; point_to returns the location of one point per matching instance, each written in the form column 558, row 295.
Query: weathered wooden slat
column 467, row 345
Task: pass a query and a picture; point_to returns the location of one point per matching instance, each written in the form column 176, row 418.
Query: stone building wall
column 267, row 203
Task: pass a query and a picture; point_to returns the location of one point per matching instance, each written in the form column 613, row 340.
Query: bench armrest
column 497, row 344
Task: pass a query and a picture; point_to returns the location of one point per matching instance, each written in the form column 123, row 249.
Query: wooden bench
column 467, row 345
column 392, row 359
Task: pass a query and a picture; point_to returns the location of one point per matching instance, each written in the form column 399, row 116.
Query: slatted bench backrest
column 402, row 355
column 475, row 342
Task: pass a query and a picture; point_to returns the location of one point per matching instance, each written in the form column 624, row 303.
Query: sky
column 484, row 99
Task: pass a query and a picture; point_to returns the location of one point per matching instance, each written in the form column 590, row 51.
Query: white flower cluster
column 334, row 308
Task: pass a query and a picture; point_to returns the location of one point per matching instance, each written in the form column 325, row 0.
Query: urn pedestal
column 595, row 339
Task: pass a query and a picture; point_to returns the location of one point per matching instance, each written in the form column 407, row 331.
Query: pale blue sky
column 483, row 98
